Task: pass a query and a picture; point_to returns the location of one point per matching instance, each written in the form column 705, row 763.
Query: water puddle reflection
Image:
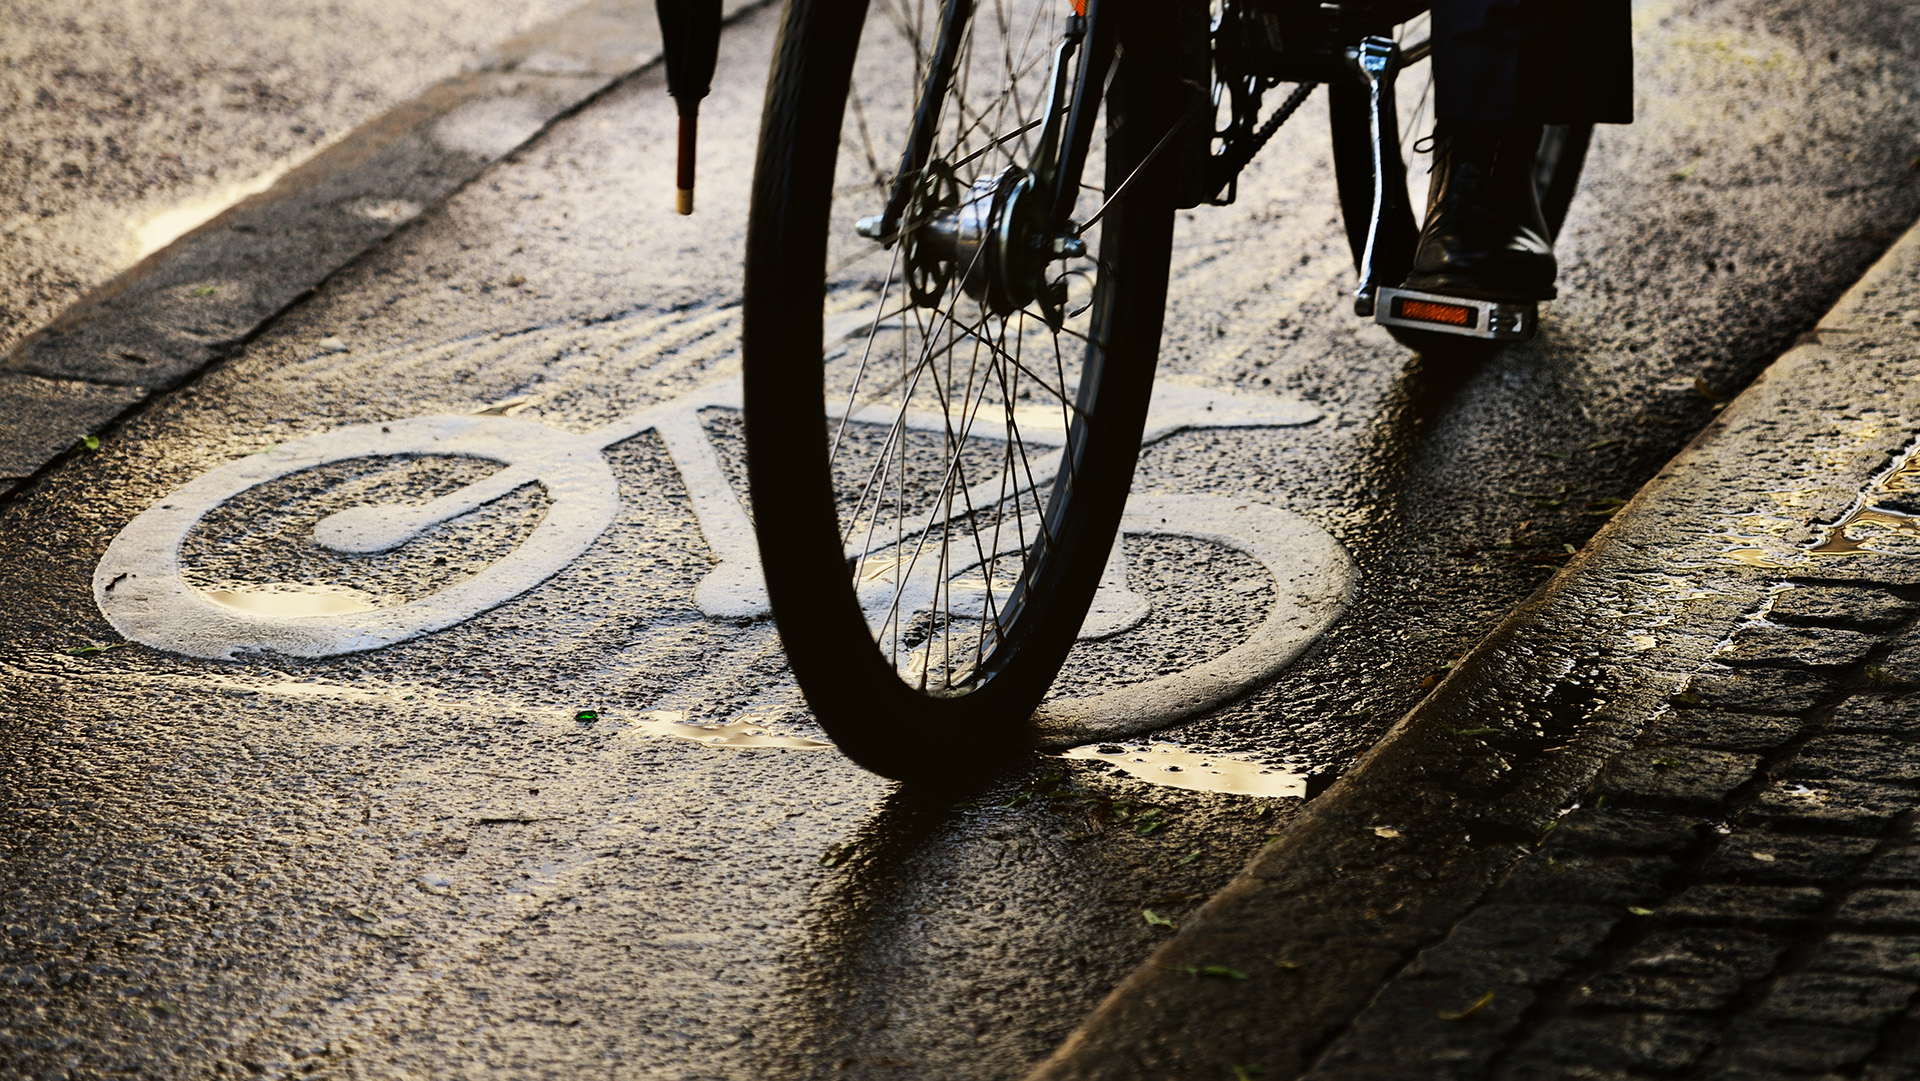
column 293, row 599
column 1879, row 522
column 746, row 730
column 1175, row 767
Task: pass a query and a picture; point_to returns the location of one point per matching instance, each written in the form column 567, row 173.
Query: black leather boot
column 1484, row 236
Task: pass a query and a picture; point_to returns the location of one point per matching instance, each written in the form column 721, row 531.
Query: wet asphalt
column 463, row 854
column 122, row 125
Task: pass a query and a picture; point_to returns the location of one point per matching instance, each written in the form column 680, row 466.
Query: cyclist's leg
column 1501, row 69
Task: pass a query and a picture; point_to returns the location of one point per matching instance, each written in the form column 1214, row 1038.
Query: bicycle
column 973, row 205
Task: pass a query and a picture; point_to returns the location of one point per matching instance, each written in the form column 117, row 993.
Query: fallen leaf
column 90, row 442
column 1638, row 911
column 1385, row 831
column 1154, row 919
column 1477, row 1005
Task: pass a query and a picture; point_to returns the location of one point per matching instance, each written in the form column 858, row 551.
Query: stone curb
column 1270, row 973
column 212, row 290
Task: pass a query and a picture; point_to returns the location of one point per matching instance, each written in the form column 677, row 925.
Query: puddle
column 293, row 599
column 1901, row 478
column 1174, row 767
column 1753, row 557
column 1840, row 542
column 747, row 730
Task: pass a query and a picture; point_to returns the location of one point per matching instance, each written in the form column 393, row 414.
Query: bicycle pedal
column 1492, row 320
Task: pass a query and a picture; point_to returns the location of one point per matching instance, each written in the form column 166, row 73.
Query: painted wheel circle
column 139, row 586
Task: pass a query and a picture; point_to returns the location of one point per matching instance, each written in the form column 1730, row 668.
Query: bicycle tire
column 906, row 719
column 1563, row 152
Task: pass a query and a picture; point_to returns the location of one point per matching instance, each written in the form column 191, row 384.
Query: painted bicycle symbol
column 142, row 590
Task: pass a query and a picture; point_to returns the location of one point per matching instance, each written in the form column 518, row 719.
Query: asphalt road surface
column 487, row 850
column 124, row 124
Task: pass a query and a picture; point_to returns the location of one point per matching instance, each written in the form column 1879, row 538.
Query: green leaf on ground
column 204, row 291
column 92, row 648
column 1601, row 444
column 1188, row 858
column 587, row 715
column 1603, row 508
column 1638, row 911
column 1473, row 1008
column 1154, row 919
column 1665, row 762
column 1220, row 970
column 90, row 442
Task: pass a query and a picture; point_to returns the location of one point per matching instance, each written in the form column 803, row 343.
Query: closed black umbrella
column 690, row 30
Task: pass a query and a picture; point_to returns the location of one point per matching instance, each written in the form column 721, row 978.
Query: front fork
column 1066, row 127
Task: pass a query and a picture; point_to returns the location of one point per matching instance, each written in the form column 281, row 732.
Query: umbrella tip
column 683, row 200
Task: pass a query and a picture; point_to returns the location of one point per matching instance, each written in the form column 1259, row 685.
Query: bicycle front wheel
column 942, row 422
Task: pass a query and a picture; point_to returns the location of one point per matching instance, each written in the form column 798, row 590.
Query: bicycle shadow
column 967, row 936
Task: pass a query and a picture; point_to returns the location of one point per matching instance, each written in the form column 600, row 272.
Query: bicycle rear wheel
column 1563, row 151
column 941, row 431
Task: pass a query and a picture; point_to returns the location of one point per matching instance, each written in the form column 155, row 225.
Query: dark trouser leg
column 1501, row 69
column 1533, row 61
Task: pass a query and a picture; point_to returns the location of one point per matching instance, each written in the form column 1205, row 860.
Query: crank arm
column 1377, row 62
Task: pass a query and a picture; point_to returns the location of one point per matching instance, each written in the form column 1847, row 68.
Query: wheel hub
column 990, row 237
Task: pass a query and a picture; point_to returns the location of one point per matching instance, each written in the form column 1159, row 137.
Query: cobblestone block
column 1801, row 1048
column 1903, row 663
column 1597, row 830
column 1745, row 904
column 1856, row 757
column 1594, row 880
column 1511, row 944
column 1896, row 865
column 1633, row 1041
column 1417, row 1021
column 1891, row 713
column 1756, row 733
column 1765, row 690
column 1852, row 806
column 1671, row 774
column 1840, row 999
column 1846, row 606
column 1743, row 953
column 1635, row 991
column 1881, row 908
column 1797, row 647
column 1877, row 955
column 1786, row 859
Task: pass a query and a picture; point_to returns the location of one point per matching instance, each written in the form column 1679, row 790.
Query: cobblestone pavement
column 1660, row 825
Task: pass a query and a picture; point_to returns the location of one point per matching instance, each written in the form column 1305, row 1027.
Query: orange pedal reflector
column 1427, row 311
column 1439, row 313
column 1080, row 8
